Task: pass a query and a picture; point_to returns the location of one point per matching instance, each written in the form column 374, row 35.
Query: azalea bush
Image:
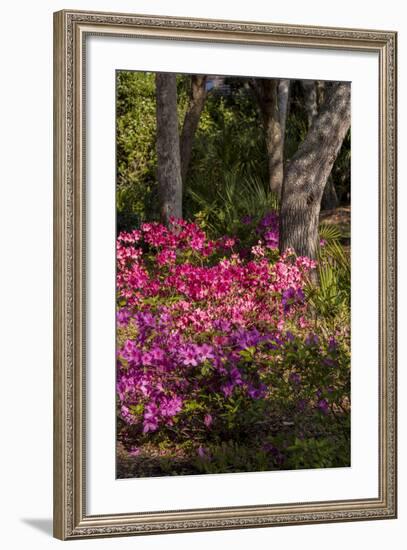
column 223, row 363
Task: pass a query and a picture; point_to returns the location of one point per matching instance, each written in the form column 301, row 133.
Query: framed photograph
column 225, row 274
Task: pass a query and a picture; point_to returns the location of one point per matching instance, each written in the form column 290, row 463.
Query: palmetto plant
column 221, row 212
column 329, row 232
column 331, row 296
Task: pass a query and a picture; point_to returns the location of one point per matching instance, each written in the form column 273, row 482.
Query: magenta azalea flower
column 323, row 406
column 208, row 420
column 203, row 453
column 189, row 357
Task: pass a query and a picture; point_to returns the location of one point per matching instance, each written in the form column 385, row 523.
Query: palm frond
column 329, row 232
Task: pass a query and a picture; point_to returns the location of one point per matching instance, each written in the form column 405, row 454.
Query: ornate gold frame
column 70, row 519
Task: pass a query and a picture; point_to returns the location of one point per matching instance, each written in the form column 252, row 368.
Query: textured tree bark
column 283, row 105
column 329, row 198
column 308, row 171
column 168, row 150
column 314, row 95
column 321, row 87
column 266, row 91
column 197, row 99
column 310, row 99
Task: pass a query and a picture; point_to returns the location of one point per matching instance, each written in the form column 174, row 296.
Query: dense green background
column 228, row 174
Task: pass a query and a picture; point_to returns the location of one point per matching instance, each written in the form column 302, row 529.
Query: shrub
column 216, row 344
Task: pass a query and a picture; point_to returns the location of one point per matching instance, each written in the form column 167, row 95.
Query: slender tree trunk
column 197, row 99
column 266, row 91
column 168, row 152
column 283, row 106
column 308, row 171
column 310, row 100
column 321, row 87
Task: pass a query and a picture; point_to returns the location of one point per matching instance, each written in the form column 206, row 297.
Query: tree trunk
column 310, row 99
column 329, row 198
column 168, row 152
column 267, row 97
column 284, row 91
column 314, row 95
column 197, row 99
column 308, row 172
column 283, row 105
column 321, row 86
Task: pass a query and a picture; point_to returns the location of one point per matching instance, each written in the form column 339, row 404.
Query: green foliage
column 228, row 172
column 136, row 155
column 228, row 176
column 300, row 453
column 221, row 211
column 229, row 145
column 331, row 296
column 228, row 138
column 329, row 232
column 136, row 192
column 318, row 453
column 229, row 456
